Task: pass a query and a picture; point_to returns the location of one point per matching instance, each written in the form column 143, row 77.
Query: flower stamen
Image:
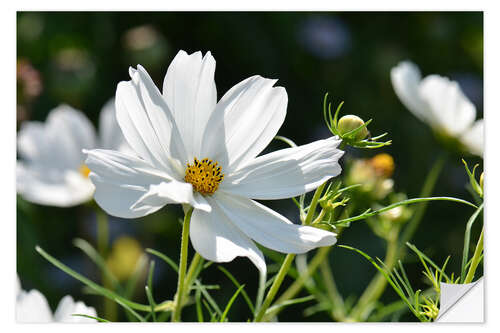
column 84, row 170
column 204, row 175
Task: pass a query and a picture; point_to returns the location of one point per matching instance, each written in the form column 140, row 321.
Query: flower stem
column 102, row 232
column 476, row 259
column 285, row 266
column 182, row 266
column 297, row 285
column 110, row 307
column 427, row 189
column 276, row 285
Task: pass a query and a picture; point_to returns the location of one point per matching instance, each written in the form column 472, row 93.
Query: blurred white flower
column 52, row 170
column 32, row 307
column 193, row 150
column 441, row 104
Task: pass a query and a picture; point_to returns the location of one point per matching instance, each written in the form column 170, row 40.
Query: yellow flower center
column 383, row 164
column 84, row 170
column 204, row 175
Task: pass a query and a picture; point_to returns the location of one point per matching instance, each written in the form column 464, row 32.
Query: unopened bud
column 481, row 181
column 349, row 123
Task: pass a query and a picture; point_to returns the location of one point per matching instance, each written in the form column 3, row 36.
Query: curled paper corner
column 462, row 303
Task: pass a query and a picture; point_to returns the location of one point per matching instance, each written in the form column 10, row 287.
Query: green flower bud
column 351, row 122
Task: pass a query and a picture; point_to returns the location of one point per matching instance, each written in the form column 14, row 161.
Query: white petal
column 52, row 187
column 121, row 180
column 269, row 228
column 244, row 122
column 190, row 92
column 286, row 173
column 406, row 80
column 32, row 307
column 67, row 307
column 58, row 142
column 110, row 134
column 473, row 138
column 147, row 122
column 171, row 192
column 451, row 108
column 215, row 238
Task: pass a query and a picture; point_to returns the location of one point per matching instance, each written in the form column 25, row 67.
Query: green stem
column 285, row 266
column 190, row 276
column 465, row 254
column 110, row 307
column 338, row 309
column 427, row 189
column 476, row 259
column 275, row 286
column 377, row 284
column 102, row 232
column 182, row 266
column 314, row 203
column 297, row 285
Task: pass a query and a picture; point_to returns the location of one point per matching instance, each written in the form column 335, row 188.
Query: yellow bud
column 349, row 123
column 124, row 256
column 481, row 181
column 383, row 164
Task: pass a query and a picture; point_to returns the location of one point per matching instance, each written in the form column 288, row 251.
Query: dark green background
column 347, row 54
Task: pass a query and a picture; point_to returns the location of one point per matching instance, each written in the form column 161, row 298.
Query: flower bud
column 351, row 122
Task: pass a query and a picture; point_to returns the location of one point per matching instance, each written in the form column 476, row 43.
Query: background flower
column 32, row 307
column 52, row 170
column 440, row 103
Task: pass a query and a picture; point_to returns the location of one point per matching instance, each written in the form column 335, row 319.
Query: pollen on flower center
column 204, row 175
column 84, row 170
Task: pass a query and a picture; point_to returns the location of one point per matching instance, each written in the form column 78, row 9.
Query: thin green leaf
column 230, row 303
column 92, row 253
column 130, row 310
column 209, row 298
column 133, row 280
column 169, row 261
column 421, row 254
column 237, row 284
column 151, row 302
column 387, row 277
column 101, row 290
column 401, row 203
column 101, row 320
column 468, row 229
column 289, row 302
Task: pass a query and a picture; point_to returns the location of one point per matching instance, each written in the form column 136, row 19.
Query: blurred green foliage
column 81, row 56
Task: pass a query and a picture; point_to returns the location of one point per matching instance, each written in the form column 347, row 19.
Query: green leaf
column 367, row 213
column 165, row 306
column 468, row 229
column 289, row 302
column 230, row 303
column 169, row 261
column 237, row 284
column 92, row 253
column 101, row 320
column 389, row 279
column 423, row 258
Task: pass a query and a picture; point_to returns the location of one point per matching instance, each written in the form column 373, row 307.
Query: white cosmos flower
column 52, row 171
column 193, row 150
column 440, row 103
column 32, row 307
